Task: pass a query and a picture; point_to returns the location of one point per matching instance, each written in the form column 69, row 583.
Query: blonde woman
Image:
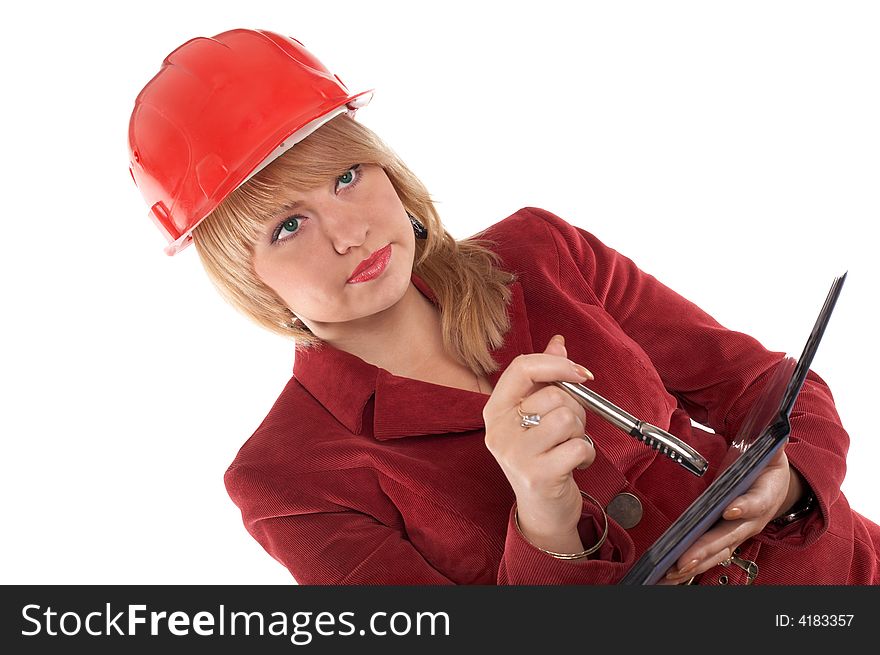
column 420, row 440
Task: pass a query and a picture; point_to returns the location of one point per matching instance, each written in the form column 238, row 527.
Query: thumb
column 556, row 346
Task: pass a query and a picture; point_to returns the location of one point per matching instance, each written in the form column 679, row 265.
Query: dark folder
column 764, row 431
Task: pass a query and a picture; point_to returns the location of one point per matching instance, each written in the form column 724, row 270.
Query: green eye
column 287, row 229
column 349, row 178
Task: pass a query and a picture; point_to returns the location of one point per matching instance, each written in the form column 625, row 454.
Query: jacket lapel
column 403, row 407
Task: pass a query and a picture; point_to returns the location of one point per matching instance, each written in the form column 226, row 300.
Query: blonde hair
column 471, row 289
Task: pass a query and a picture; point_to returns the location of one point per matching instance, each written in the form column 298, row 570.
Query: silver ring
column 528, row 420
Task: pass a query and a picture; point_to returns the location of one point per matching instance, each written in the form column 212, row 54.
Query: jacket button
column 625, row 509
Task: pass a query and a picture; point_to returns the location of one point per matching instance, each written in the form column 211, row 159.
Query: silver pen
column 668, row 444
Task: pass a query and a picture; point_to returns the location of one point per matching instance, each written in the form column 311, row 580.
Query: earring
column 420, row 230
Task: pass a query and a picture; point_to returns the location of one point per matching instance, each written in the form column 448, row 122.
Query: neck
column 406, row 339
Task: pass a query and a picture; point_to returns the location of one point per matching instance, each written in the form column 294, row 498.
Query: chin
column 389, row 294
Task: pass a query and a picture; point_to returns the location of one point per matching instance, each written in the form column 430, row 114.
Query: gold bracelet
column 580, row 555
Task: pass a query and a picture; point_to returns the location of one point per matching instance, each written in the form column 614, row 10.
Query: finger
column 557, row 426
column 591, row 456
column 709, row 549
column 696, row 567
column 564, row 457
column 564, row 444
column 675, row 576
column 550, row 397
column 779, row 459
column 526, row 372
column 756, row 502
column 725, row 534
column 556, row 346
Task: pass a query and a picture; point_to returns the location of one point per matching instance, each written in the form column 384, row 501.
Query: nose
column 346, row 228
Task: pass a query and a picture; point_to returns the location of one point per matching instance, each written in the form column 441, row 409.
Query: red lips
column 376, row 261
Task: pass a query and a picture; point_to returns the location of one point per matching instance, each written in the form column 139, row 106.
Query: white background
column 730, row 149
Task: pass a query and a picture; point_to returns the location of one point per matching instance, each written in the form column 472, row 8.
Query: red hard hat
column 216, row 113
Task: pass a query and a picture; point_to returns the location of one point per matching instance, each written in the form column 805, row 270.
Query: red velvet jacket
column 357, row 476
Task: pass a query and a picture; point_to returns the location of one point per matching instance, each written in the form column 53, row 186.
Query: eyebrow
column 283, row 209
column 287, row 206
column 290, row 206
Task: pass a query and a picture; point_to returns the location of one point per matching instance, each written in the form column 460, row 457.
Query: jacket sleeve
column 322, row 542
column 715, row 373
column 524, row 564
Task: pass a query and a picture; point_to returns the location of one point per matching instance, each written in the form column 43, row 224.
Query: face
column 308, row 252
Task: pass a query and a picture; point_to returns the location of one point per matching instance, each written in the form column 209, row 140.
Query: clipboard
column 763, row 432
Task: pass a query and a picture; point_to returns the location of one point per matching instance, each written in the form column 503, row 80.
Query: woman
column 420, row 440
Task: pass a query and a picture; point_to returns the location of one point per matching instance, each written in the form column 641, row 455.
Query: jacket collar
column 344, row 383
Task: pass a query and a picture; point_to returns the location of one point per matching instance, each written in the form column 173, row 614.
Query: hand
column 538, row 461
column 745, row 517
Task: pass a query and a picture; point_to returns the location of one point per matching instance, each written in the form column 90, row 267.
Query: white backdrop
column 730, row 149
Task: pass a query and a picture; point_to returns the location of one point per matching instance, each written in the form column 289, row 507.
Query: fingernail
column 733, row 512
column 559, row 339
column 689, row 566
column 581, row 371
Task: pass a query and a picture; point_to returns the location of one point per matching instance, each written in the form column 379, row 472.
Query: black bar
column 504, row 617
